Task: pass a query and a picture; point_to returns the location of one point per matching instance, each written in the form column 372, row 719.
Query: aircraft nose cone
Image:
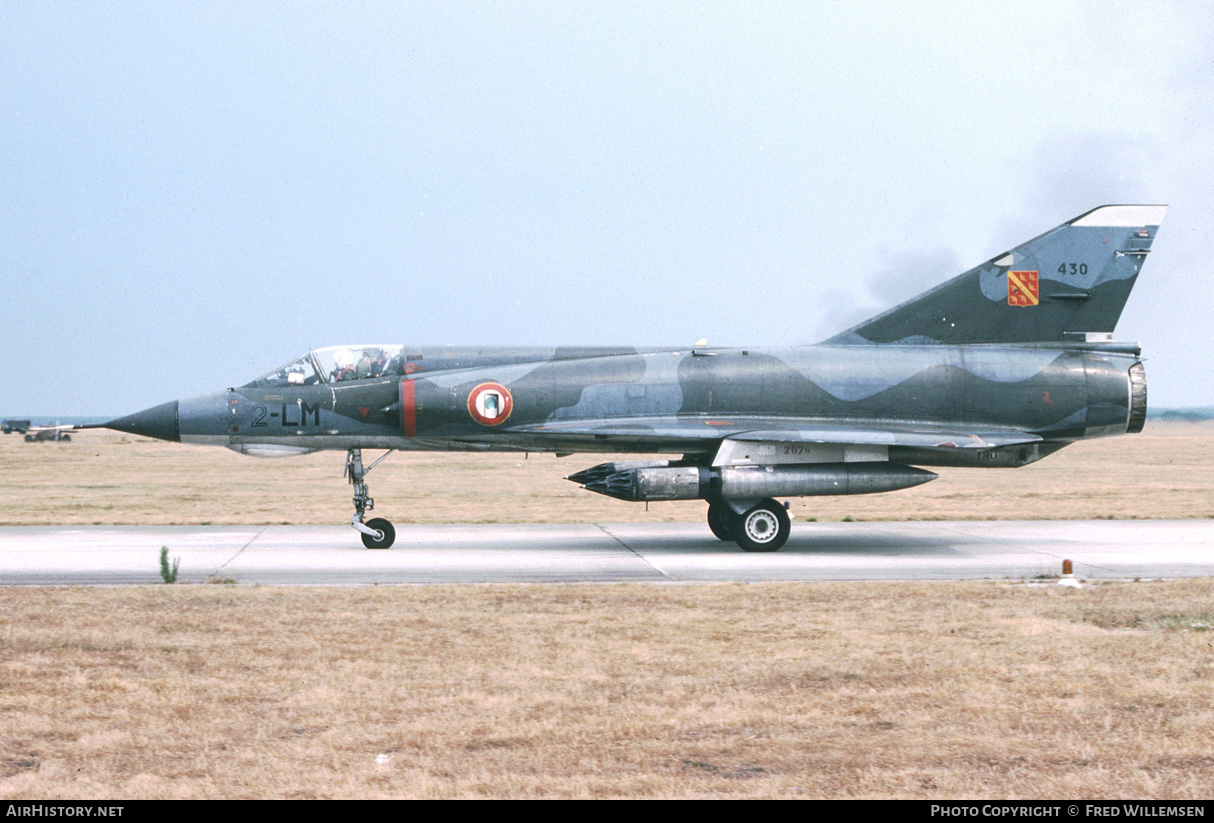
column 159, row 422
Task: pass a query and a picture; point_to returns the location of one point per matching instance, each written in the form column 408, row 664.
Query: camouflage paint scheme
column 999, row 367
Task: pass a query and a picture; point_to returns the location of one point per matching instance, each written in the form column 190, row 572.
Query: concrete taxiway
column 632, row 552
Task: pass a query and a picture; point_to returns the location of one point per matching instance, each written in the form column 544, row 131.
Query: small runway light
column 1068, row 576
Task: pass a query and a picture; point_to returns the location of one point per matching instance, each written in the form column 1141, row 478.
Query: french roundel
column 490, row 404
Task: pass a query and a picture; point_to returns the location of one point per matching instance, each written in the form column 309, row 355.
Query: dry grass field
column 106, row 478
column 920, row 690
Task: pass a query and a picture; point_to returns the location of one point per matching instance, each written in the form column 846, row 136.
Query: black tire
column 721, row 520
column 385, row 528
column 67, row 438
column 764, row 528
column 29, row 438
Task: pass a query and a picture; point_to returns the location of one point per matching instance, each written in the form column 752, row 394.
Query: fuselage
column 541, row 399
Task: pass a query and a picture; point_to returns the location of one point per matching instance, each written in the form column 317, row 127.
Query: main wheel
column 387, row 532
column 721, row 520
column 764, row 528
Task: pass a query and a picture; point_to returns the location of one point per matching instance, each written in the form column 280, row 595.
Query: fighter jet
column 998, row 367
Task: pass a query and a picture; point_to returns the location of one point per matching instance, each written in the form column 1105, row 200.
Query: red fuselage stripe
column 408, row 408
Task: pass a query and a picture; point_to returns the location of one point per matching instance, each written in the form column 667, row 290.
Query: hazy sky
column 194, row 193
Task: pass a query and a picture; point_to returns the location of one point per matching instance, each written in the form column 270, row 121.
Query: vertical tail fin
column 1071, row 282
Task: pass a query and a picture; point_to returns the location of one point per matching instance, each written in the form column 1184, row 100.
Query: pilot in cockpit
column 343, row 366
column 371, row 364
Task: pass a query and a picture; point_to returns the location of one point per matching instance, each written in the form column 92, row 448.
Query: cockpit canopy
column 334, row 364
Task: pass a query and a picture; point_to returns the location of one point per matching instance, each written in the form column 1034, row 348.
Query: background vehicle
column 39, row 434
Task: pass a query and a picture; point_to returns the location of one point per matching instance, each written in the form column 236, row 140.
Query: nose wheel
column 376, row 533
column 385, row 531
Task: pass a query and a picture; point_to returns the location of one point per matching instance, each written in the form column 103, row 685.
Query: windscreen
column 296, row 373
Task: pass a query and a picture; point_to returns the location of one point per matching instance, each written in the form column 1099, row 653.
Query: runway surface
column 620, row 552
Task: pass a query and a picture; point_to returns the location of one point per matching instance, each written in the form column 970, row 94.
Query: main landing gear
column 377, row 533
column 762, row 528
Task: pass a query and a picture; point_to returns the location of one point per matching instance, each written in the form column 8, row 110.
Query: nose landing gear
column 377, row 533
